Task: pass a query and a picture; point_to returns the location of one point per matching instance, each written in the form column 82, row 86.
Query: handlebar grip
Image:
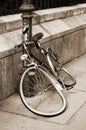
column 36, row 38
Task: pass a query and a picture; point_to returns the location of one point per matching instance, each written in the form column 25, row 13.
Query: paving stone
column 79, row 72
column 14, row 105
column 78, row 122
column 10, row 121
column 14, row 121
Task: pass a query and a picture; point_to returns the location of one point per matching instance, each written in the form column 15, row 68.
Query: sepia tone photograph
column 43, row 65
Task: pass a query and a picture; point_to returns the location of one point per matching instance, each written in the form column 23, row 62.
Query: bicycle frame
column 46, row 59
column 47, row 55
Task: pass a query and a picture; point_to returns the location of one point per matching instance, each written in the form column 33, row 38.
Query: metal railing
column 42, row 4
column 9, row 7
column 12, row 6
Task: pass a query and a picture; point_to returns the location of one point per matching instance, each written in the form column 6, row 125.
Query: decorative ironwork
column 26, row 9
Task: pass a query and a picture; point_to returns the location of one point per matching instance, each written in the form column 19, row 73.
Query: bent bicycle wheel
column 38, row 95
column 66, row 78
column 60, row 72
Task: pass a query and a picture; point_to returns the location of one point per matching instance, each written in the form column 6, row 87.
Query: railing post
column 27, row 9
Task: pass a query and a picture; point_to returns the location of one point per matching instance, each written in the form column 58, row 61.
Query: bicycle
column 37, row 83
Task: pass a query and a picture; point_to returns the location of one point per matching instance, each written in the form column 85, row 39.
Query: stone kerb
column 12, row 22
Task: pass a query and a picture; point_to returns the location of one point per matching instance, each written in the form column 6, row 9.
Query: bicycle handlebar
column 35, row 38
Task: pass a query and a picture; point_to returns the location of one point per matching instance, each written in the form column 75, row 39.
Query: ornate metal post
column 27, row 9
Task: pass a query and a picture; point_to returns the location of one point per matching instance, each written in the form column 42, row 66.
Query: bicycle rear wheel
column 66, row 78
column 37, row 94
column 63, row 76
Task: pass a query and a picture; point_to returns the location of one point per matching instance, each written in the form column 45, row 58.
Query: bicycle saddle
column 37, row 37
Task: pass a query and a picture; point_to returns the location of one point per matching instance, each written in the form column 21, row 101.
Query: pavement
column 14, row 116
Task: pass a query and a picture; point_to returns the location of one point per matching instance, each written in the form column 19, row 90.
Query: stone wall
column 64, row 31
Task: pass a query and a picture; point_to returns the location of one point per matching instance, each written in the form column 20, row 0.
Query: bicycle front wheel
column 38, row 95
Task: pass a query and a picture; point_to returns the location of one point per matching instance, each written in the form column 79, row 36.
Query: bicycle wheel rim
column 44, row 104
column 66, row 78
column 61, row 73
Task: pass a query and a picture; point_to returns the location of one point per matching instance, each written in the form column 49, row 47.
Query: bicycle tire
column 66, row 78
column 44, row 100
column 62, row 74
